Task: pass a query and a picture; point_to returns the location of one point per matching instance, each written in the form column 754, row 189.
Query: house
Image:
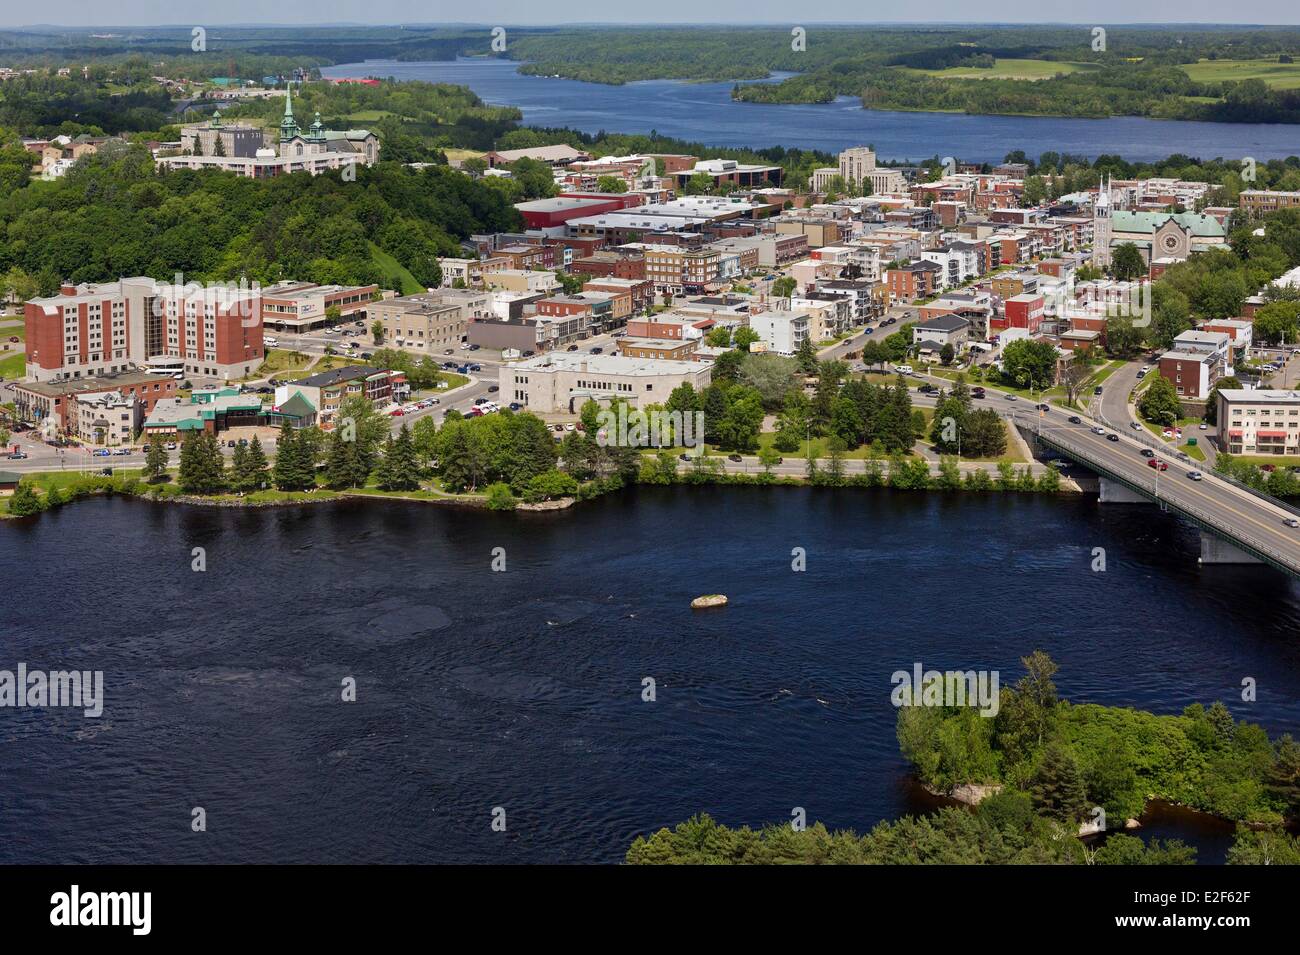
column 8, row 482
column 324, row 392
column 944, row 330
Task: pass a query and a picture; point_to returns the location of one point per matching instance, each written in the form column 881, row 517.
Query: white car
column 1101, row 431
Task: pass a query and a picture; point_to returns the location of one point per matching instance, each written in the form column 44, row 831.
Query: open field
column 1007, row 70
column 1283, row 76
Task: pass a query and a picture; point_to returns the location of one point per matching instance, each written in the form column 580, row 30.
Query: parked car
column 559, row 427
column 449, row 351
column 684, row 457
column 597, row 350
column 494, row 387
column 480, row 400
column 101, row 452
column 474, row 347
column 396, row 413
column 125, row 451
column 1097, row 390
column 514, row 406
column 1203, row 426
column 570, row 426
column 573, row 348
column 170, row 445
column 366, row 354
column 528, row 353
column 1135, row 425
column 17, row 455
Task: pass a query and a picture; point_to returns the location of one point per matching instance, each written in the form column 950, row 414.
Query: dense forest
column 113, row 215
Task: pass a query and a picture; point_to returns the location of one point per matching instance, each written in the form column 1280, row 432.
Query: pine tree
column 343, row 465
column 399, row 470
column 238, row 468
column 25, row 501
column 190, row 477
column 1057, row 786
column 385, row 473
column 155, row 462
column 255, row 465
column 285, row 473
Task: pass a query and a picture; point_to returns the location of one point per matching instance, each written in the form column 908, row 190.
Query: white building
column 562, row 382
column 1259, row 422
column 782, row 331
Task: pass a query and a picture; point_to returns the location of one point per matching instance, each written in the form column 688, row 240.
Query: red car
column 396, row 413
column 1159, row 465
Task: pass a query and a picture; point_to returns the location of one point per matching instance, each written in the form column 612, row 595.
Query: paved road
column 1233, row 510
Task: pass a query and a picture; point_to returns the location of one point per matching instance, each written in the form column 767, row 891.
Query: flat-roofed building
column 664, row 348
column 432, row 322
column 107, row 418
column 562, row 382
column 782, row 331
column 1259, row 421
column 300, row 306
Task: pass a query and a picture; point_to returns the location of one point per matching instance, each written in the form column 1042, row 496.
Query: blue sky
column 530, row 12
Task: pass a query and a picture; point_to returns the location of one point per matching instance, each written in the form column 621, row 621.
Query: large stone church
column 1162, row 237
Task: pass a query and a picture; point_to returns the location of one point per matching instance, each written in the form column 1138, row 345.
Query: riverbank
column 55, row 489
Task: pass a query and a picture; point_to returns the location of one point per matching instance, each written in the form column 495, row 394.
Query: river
column 523, row 689
column 705, row 113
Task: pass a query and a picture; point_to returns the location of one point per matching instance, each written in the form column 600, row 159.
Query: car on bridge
column 1147, row 453
column 1097, row 430
column 1075, row 419
column 1158, row 465
column 1112, row 437
column 1291, row 522
column 1195, row 475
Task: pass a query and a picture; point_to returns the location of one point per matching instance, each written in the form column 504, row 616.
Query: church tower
column 1101, row 226
column 288, row 125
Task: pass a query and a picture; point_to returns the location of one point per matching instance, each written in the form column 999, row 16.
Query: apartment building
column 678, row 270
column 430, row 323
column 324, row 392
column 782, row 331
column 1260, row 422
column 106, row 418
column 1258, row 202
column 640, row 293
column 562, row 382
column 867, row 298
column 660, row 348
column 915, row 280
column 92, row 330
column 522, row 280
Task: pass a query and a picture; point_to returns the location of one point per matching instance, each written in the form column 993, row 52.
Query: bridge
column 1237, row 524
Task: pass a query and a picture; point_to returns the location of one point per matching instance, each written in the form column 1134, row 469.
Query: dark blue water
column 522, row 689
column 705, row 113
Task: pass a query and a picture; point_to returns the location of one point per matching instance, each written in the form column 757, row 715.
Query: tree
column 807, row 356
column 784, row 287
column 155, row 460
column 1057, row 786
column 1212, row 401
column 719, row 337
column 1126, row 262
column 201, row 465
column 1159, row 403
column 1277, row 322
column 984, row 435
column 343, row 465
column 398, row 470
column 1029, row 363
column 377, row 332
column 947, row 353
column 294, row 468
column 25, row 501
column 255, row 465
column 743, row 337
column 611, row 184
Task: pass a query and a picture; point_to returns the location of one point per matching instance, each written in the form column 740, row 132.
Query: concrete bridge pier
column 1113, row 492
column 1217, row 551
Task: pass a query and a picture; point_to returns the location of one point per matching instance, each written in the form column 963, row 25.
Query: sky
column 530, row 12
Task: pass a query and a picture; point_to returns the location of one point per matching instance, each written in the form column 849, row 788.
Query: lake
column 705, row 113
column 522, row 689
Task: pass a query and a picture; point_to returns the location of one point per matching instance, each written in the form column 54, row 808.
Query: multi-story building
column 215, row 138
column 106, row 418
column 324, row 392
column 678, row 270
column 95, row 330
column 782, row 331
column 662, row 348
column 301, row 306
column 914, row 280
column 640, row 292
column 429, row 323
column 37, row 403
column 1258, row 202
column 1259, row 421
column 562, row 382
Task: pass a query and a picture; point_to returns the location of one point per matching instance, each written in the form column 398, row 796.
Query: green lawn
column 1283, row 76
column 1193, row 451
column 15, row 366
column 282, row 359
column 393, row 269
column 1007, row 69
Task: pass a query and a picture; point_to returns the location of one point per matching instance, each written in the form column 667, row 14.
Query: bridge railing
column 1145, row 437
column 1230, row 533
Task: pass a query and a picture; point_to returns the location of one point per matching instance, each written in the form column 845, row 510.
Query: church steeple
column 288, row 125
column 317, row 129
